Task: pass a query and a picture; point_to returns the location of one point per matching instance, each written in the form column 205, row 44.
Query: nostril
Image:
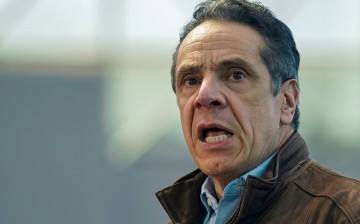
column 210, row 98
column 214, row 103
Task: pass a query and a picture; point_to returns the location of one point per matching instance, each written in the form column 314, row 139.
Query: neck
column 220, row 186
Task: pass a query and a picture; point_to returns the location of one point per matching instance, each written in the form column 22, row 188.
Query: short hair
column 279, row 54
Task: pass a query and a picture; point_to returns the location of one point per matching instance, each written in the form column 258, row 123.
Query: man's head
column 235, row 78
column 279, row 53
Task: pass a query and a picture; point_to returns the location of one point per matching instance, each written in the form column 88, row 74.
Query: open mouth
column 214, row 135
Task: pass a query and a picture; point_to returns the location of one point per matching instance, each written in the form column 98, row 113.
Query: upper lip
column 200, row 129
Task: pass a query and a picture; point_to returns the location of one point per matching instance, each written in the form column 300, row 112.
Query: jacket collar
column 259, row 192
column 182, row 200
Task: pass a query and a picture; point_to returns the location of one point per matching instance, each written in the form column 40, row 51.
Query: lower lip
column 217, row 145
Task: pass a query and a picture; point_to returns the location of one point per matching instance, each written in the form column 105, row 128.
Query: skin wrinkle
column 263, row 46
column 224, row 65
column 212, row 39
column 186, row 65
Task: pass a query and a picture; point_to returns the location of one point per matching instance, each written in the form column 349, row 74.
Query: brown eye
column 191, row 81
column 235, row 76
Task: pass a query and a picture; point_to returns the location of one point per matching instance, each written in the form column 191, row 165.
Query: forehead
column 214, row 40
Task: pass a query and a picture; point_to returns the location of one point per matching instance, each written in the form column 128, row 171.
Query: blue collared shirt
column 220, row 212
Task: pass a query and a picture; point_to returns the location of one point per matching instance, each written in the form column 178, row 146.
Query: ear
column 289, row 96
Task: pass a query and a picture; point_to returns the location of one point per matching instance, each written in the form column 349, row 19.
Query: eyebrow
column 186, row 69
column 223, row 65
column 237, row 62
column 190, row 68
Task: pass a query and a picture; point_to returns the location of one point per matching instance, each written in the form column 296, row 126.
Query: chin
column 216, row 168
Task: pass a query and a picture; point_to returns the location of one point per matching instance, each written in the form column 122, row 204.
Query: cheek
column 243, row 113
column 186, row 115
column 265, row 122
column 253, row 113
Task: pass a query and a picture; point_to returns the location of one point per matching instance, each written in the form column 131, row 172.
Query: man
column 235, row 77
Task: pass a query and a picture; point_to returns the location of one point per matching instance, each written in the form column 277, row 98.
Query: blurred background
column 89, row 127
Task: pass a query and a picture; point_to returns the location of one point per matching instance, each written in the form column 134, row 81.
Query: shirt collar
column 260, row 169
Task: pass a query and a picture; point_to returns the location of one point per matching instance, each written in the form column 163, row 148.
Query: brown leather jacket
column 295, row 189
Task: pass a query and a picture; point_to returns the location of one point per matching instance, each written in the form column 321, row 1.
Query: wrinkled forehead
column 220, row 39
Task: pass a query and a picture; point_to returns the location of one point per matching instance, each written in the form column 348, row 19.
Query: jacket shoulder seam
column 310, row 190
column 333, row 173
column 315, row 193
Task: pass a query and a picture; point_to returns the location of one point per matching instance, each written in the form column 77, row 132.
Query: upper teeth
column 214, row 139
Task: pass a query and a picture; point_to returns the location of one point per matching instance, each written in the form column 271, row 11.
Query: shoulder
column 342, row 191
column 323, row 180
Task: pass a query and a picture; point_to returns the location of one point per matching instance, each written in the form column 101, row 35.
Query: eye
column 191, row 81
column 236, row 76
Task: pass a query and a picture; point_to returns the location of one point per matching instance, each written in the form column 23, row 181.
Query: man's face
column 230, row 118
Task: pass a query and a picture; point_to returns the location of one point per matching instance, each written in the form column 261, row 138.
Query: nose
column 210, row 95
